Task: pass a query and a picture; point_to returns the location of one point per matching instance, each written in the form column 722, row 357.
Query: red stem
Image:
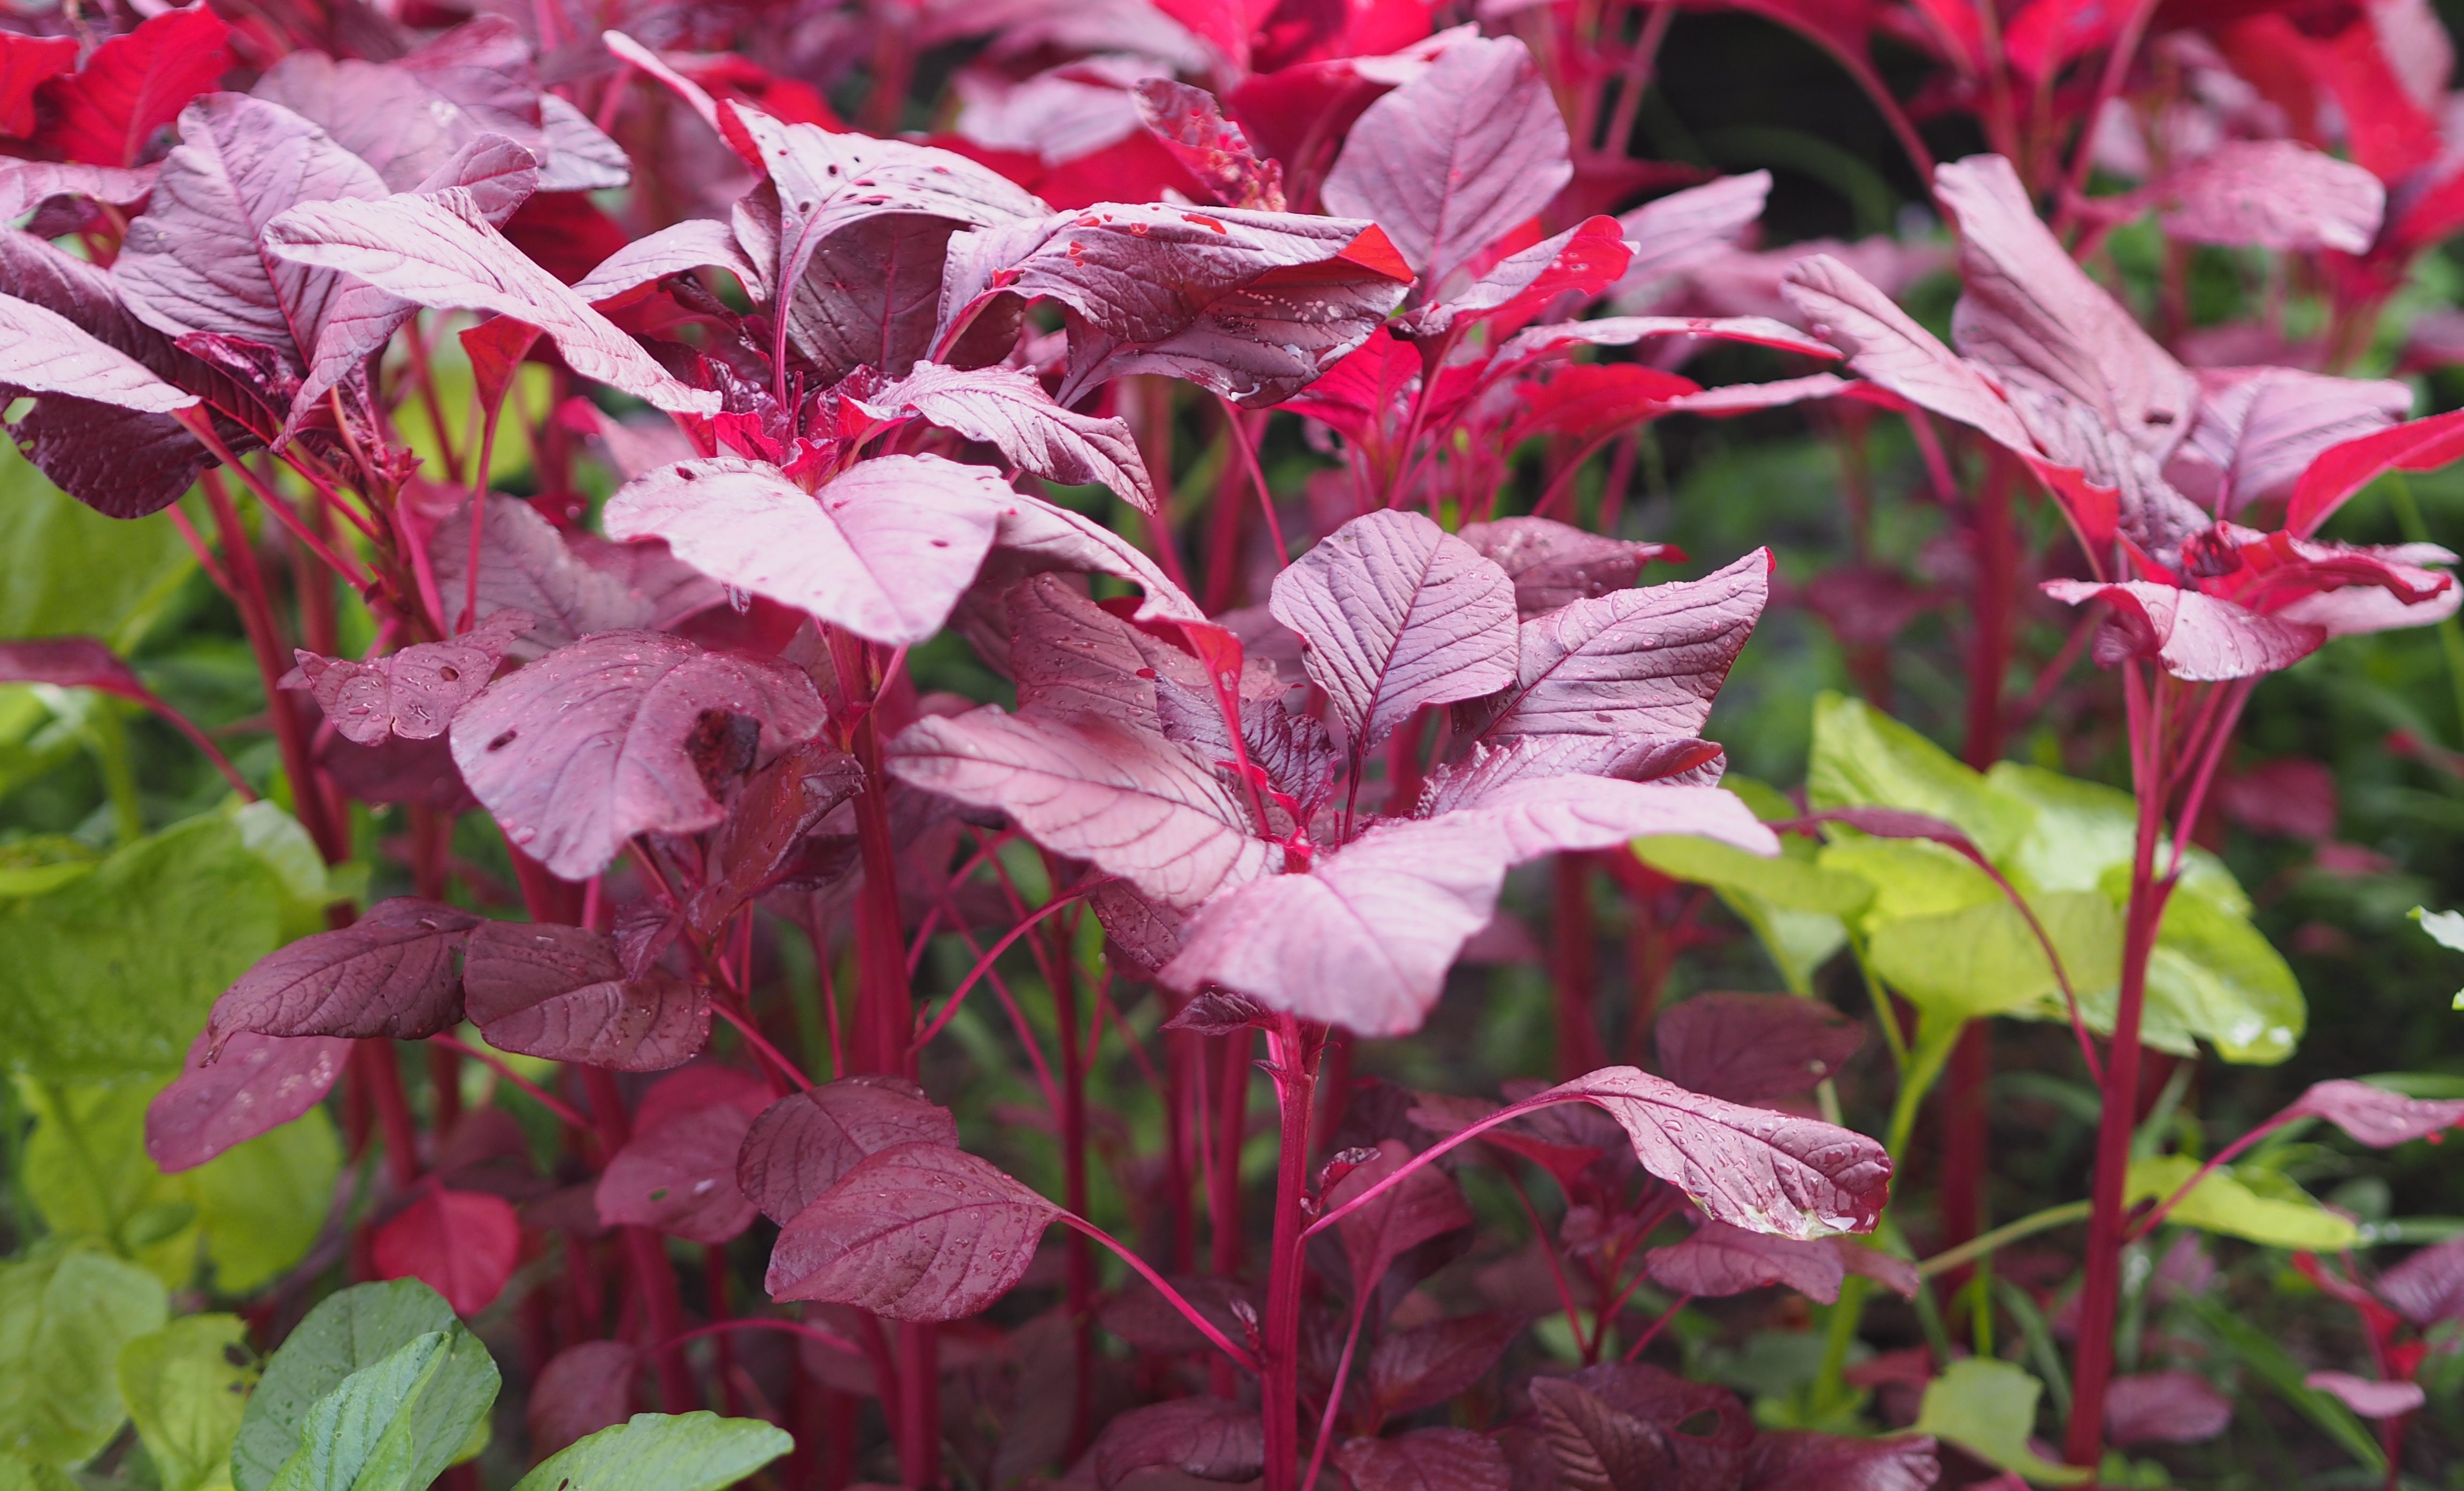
column 1081, row 1277
column 1579, row 1046
column 539, row 1094
column 1293, row 1052
column 655, row 1278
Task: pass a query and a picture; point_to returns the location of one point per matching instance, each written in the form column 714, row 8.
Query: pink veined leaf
column 2195, row 636
column 1704, row 1429
column 72, row 663
column 773, row 813
column 1398, row 614
column 679, row 1179
column 527, row 565
column 1595, row 1446
column 2368, row 1397
column 1202, row 1438
column 1733, row 399
column 1140, row 935
column 194, row 262
column 884, row 549
column 1032, row 537
column 581, row 1390
column 1559, row 814
column 2341, row 470
column 42, row 352
column 561, row 992
column 2271, row 194
column 1891, row 1271
column 2260, row 428
column 389, row 975
column 1753, row 1047
column 1624, row 331
column 1685, row 230
column 1488, row 770
column 1425, row 1365
column 2165, row 1408
column 1885, row 345
column 871, row 296
column 1721, row 1260
column 2426, row 1288
column 2374, row 1115
column 254, row 1085
column 1426, row 1204
column 1133, row 805
column 1426, row 1460
column 1251, row 306
column 1071, row 658
column 1365, row 938
column 695, row 243
column 1631, row 662
column 463, row 1244
column 1449, row 162
column 1800, row 1459
column 1009, row 410
column 701, row 1085
column 27, row 184
column 804, row 1144
column 413, row 692
column 1190, row 123
column 440, row 251
column 1582, row 260
column 916, row 1231
column 590, row 745
column 1554, row 563
column 108, row 112
column 398, row 770
column 379, row 112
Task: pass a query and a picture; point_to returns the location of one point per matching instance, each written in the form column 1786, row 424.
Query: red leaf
column 2341, row 470
column 561, row 992
column 1720, row 1260
column 25, row 61
column 133, row 85
column 1802, row 1461
column 1428, row 1365
column 2370, row 1397
column 1554, row 563
column 680, row 1177
column 2165, row 1408
column 1427, row 1204
column 2195, row 636
column 256, row 1084
column 1191, row 124
column 2375, row 1116
column 389, row 975
column 581, row 1390
column 916, row 1232
column 414, row 693
column 72, row 663
column 1203, row 1437
column 1583, row 260
column 802, row 1145
column 1753, row 1047
column 1426, row 1460
column 2427, row 1287
column 463, row 1244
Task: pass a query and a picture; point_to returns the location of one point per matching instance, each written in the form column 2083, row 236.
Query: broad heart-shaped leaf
column 1721, row 1260
column 108, row 112
column 1645, row 661
column 1425, row 1365
column 2374, row 1115
column 1009, row 410
column 2193, row 635
column 1250, row 305
column 1554, row 563
column 66, row 1312
column 1885, row 345
column 2272, row 194
column 257, row 1083
column 662, row 1451
column 355, row 1329
column 590, row 745
column 1426, row 1460
column 1799, row 1460
column 185, row 1395
column 1426, row 1204
column 413, row 692
column 42, row 352
column 1753, row 1047
column 1450, row 161
column 1070, row 658
column 884, row 549
column 439, row 251
column 1135, row 804
column 1398, row 614
column 1202, row 1438
column 390, row 975
column 561, row 992
column 916, row 1231
column 2222, row 1203
column 461, row 1243
column 1983, row 958
column 871, row 296
column 802, row 1144
column 196, row 262
column 1989, row 1408
column 680, row 1177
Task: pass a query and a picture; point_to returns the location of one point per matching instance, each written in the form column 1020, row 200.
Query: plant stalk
column 1292, row 1050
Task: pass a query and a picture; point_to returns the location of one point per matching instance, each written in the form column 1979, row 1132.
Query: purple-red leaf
column 679, row 1177
column 1685, row 230
column 1753, row 1047
column 781, row 803
column 561, row 992
column 1595, row 1446
column 1581, row 261
column 2368, row 1397
column 1704, row 1429
column 590, row 745
column 1799, row 1460
column 2429, row 1286
column 1426, row 1460
column 1009, row 410
column 414, row 693
column 1554, row 563
column 581, row 1390
column 42, row 352
column 884, row 549
column 1557, row 814
column 1208, row 1439
column 673, row 249
column 389, row 975
column 570, row 587
column 803, row 1144
column 1450, row 161
column 1073, row 658
column 1720, row 1260
column 1433, row 1364
column 2374, row 1115
column 440, row 251
column 463, row 1244
column 255, row 1085
column 1624, row 331
column 1632, row 662
column 1425, row 1204
column 27, row 184
column 2165, row 1408
column 72, row 663
column 1190, row 123
column 1133, row 803
column 1490, row 770
column 916, row 1231
column 2271, row 194
column 133, row 85
column 2195, row 636
column 1885, row 345
column 2260, row 428
column 1398, row 614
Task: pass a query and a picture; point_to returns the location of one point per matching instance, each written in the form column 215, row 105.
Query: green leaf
column 1794, row 905
column 17, row 1475
column 186, row 1396
column 282, row 845
column 2084, row 829
column 1989, row 1408
column 345, row 1333
column 112, row 975
column 87, row 1173
column 2222, row 1203
column 64, row 1315
column 261, row 1204
column 662, row 1451
column 65, row 568
column 366, row 1434
column 1910, row 877
column 2213, row 977
column 31, row 866
column 1983, row 958
column 1865, row 759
